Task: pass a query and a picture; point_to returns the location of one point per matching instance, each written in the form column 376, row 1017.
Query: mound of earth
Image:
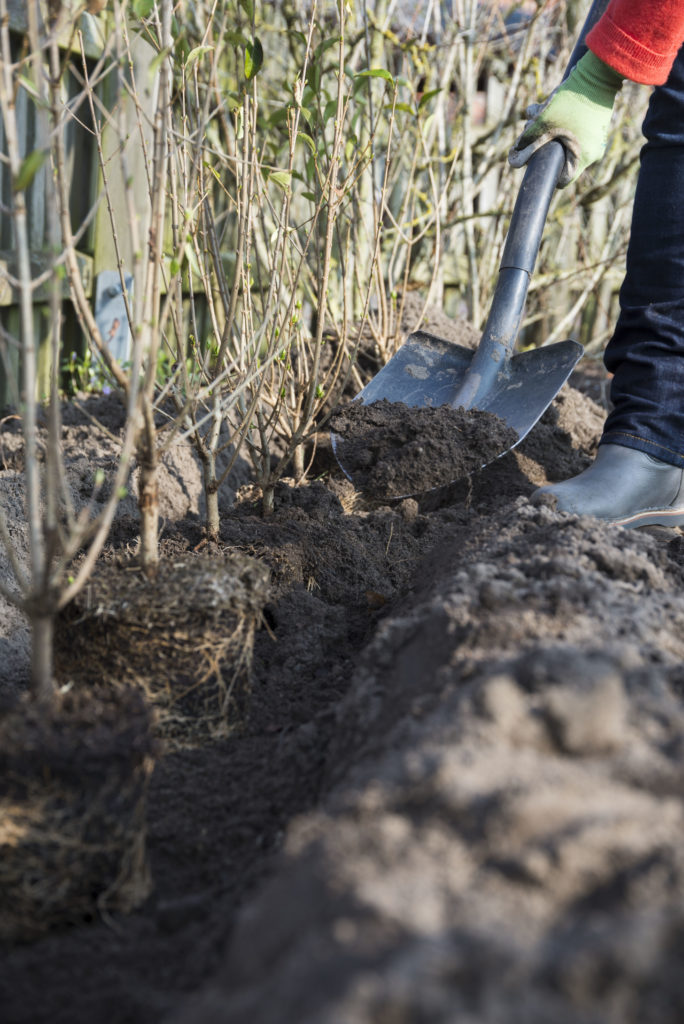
column 458, row 793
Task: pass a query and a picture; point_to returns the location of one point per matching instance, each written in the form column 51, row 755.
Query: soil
column 457, row 794
column 392, row 450
column 202, row 611
column 73, row 779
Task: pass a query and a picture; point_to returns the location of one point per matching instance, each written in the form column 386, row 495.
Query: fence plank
column 81, row 168
column 40, row 262
column 131, row 168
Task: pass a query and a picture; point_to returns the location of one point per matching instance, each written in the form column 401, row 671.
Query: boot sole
column 651, row 517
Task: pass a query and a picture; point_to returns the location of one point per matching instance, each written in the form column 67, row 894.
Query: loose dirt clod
column 184, row 637
column 391, row 450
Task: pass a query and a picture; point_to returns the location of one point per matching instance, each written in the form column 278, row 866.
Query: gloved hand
column 577, row 114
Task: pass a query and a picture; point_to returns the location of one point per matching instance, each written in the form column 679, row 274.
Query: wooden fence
column 96, row 256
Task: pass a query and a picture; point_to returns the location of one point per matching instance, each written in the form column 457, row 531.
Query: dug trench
column 457, row 794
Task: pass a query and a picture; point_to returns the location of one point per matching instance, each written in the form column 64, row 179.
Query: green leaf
column 143, row 8
column 281, row 178
column 401, row 106
column 29, row 168
column 325, row 45
column 329, row 110
column 310, row 196
column 191, row 259
column 279, row 116
column 254, row 58
column 195, row 55
column 427, row 96
column 236, row 38
column 30, row 86
column 307, row 140
column 376, row 73
column 248, row 8
column 157, row 62
column 181, row 49
column 309, row 97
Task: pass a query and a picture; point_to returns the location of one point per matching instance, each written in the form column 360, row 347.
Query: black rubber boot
column 624, row 487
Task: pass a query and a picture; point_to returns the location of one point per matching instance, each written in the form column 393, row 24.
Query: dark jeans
column 646, row 352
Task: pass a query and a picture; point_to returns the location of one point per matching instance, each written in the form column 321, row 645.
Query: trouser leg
column 646, row 352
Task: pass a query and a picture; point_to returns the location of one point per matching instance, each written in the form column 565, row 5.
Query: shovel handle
column 519, row 257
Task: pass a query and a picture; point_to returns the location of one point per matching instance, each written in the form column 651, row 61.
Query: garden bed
column 457, row 790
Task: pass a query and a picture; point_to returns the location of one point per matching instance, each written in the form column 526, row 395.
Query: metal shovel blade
column 430, row 371
column 424, row 371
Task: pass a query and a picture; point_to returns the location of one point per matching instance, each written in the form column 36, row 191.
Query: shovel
column 516, row 387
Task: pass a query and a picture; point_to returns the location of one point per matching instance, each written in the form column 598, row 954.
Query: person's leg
column 646, row 352
column 638, row 476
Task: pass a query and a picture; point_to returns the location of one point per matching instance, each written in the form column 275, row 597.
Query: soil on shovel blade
column 457, row 793
column 392, row 450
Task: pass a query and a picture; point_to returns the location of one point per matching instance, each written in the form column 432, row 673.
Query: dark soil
column 457, row 794
column 392, row 450
column 73, row 778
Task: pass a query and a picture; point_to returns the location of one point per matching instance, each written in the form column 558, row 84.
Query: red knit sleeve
column 640, row 38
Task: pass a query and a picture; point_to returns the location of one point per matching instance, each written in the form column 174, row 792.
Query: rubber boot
column 624, row 487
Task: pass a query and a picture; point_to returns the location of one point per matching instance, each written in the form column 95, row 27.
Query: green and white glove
column 577, row 114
